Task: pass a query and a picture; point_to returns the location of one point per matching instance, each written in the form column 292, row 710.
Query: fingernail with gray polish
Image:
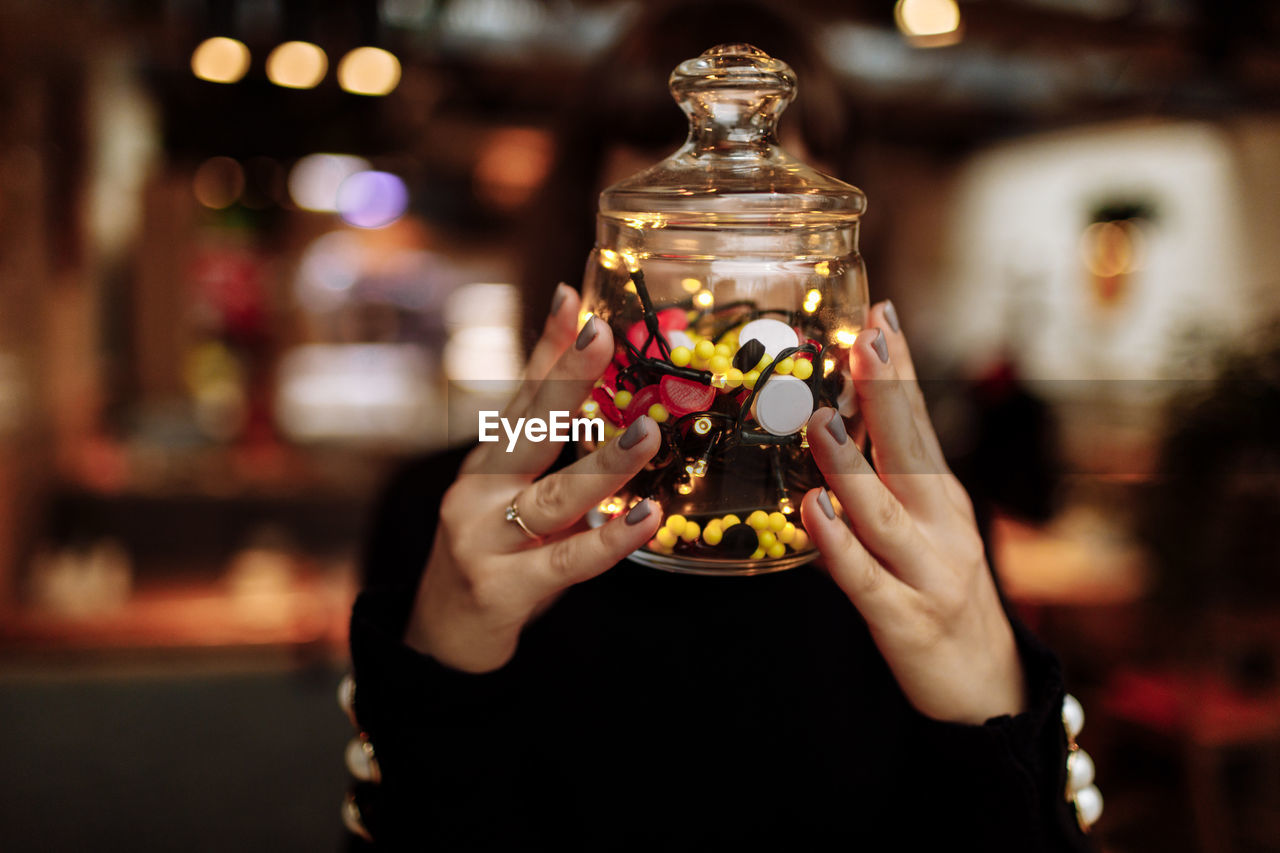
column 639, row 512
column 557, row 300
column 634, row 434
column 835, row 426
column 879, row 345
column 824, row 501
column 587, row 335
column 891, row 316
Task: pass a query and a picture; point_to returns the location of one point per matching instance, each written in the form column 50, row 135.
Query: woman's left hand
column 910, row 557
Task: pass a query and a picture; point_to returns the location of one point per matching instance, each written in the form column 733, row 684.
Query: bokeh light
column 220, row 60
column 928, row 23
column 369, row 71
column 372, row 199
column 315, row 179
column 512, row 163
column 218, row 182
column 297, row 65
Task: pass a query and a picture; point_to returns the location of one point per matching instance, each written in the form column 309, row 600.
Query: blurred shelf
column 308, row 612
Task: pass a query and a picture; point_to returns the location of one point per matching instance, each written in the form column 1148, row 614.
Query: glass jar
column 730, row 276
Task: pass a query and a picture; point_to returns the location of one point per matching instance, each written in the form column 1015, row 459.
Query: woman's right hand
column 486, row 578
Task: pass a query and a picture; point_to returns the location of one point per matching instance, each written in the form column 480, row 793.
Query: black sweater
column 653, row 711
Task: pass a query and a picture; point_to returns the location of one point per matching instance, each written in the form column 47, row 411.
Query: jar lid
column 731, row 170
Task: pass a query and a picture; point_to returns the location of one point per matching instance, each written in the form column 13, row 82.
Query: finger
column 559, row 501
column 566, row 386
column 557, row 336
column 902, row 460
column 885, row 317
column 584, row 555
column 878, row 518
column 880, row 597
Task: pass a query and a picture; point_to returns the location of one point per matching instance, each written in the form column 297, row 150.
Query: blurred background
column 253, row 253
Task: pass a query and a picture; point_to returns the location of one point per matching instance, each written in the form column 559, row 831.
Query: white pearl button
column 347, row 696
column 1072, row 716
column 361, row 762
column 1079, row 771
column 352, row 820
column 1088, row 806
column 774, row 335
column 783, row 405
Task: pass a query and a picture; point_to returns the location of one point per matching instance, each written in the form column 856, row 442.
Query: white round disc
column 783, row 405
column 775, row 335
column 677, row 338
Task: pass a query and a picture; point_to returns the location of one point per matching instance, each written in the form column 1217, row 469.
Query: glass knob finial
column 733, row 95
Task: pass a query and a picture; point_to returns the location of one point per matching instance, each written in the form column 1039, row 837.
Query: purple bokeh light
column 372, row 199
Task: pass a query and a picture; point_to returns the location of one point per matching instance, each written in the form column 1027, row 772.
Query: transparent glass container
column 730, row 276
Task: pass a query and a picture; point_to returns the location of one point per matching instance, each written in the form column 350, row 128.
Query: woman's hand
column 910, row 556
column 486, row 578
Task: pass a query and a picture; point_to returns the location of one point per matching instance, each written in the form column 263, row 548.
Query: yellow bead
column 787, row 534
column 757, row 554
column 767, row 539
column 691, row 531
column 803, row 369
column 622, row 399
column 758, row 520
column 681, row 356
column 749, row 379
column 730, row 520
column 704, row 350
column 658, row 412
column 665, row 537
column 765, row 361
column 733, row 377
column 777, row 521
column 785, row 366
column 609, row 431
column 712, row 534
column 720, row 364
column 801, row 540
column 776, row 550
column 724, row 350
column 676, row 524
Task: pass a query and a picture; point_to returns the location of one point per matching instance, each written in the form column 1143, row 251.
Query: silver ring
column 513, row 514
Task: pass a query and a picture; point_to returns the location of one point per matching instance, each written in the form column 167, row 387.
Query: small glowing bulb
column 633, row 262
column 369, row 71
column 828, row 365
column 784, row 504
column 822, row 268
column 697, row 469
column 702, row 425
column 590, row 408
column 220, row 60
column 690, row 285
column 812, row 300
column 610, row 506
column 704, row 299
column 684, row 487
column 846, row 337
column 609, row 259
column 297, row 65
column 927, row 17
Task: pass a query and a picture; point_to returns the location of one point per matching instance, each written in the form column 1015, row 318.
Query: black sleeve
column 439, row 735
column 1013, row 766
